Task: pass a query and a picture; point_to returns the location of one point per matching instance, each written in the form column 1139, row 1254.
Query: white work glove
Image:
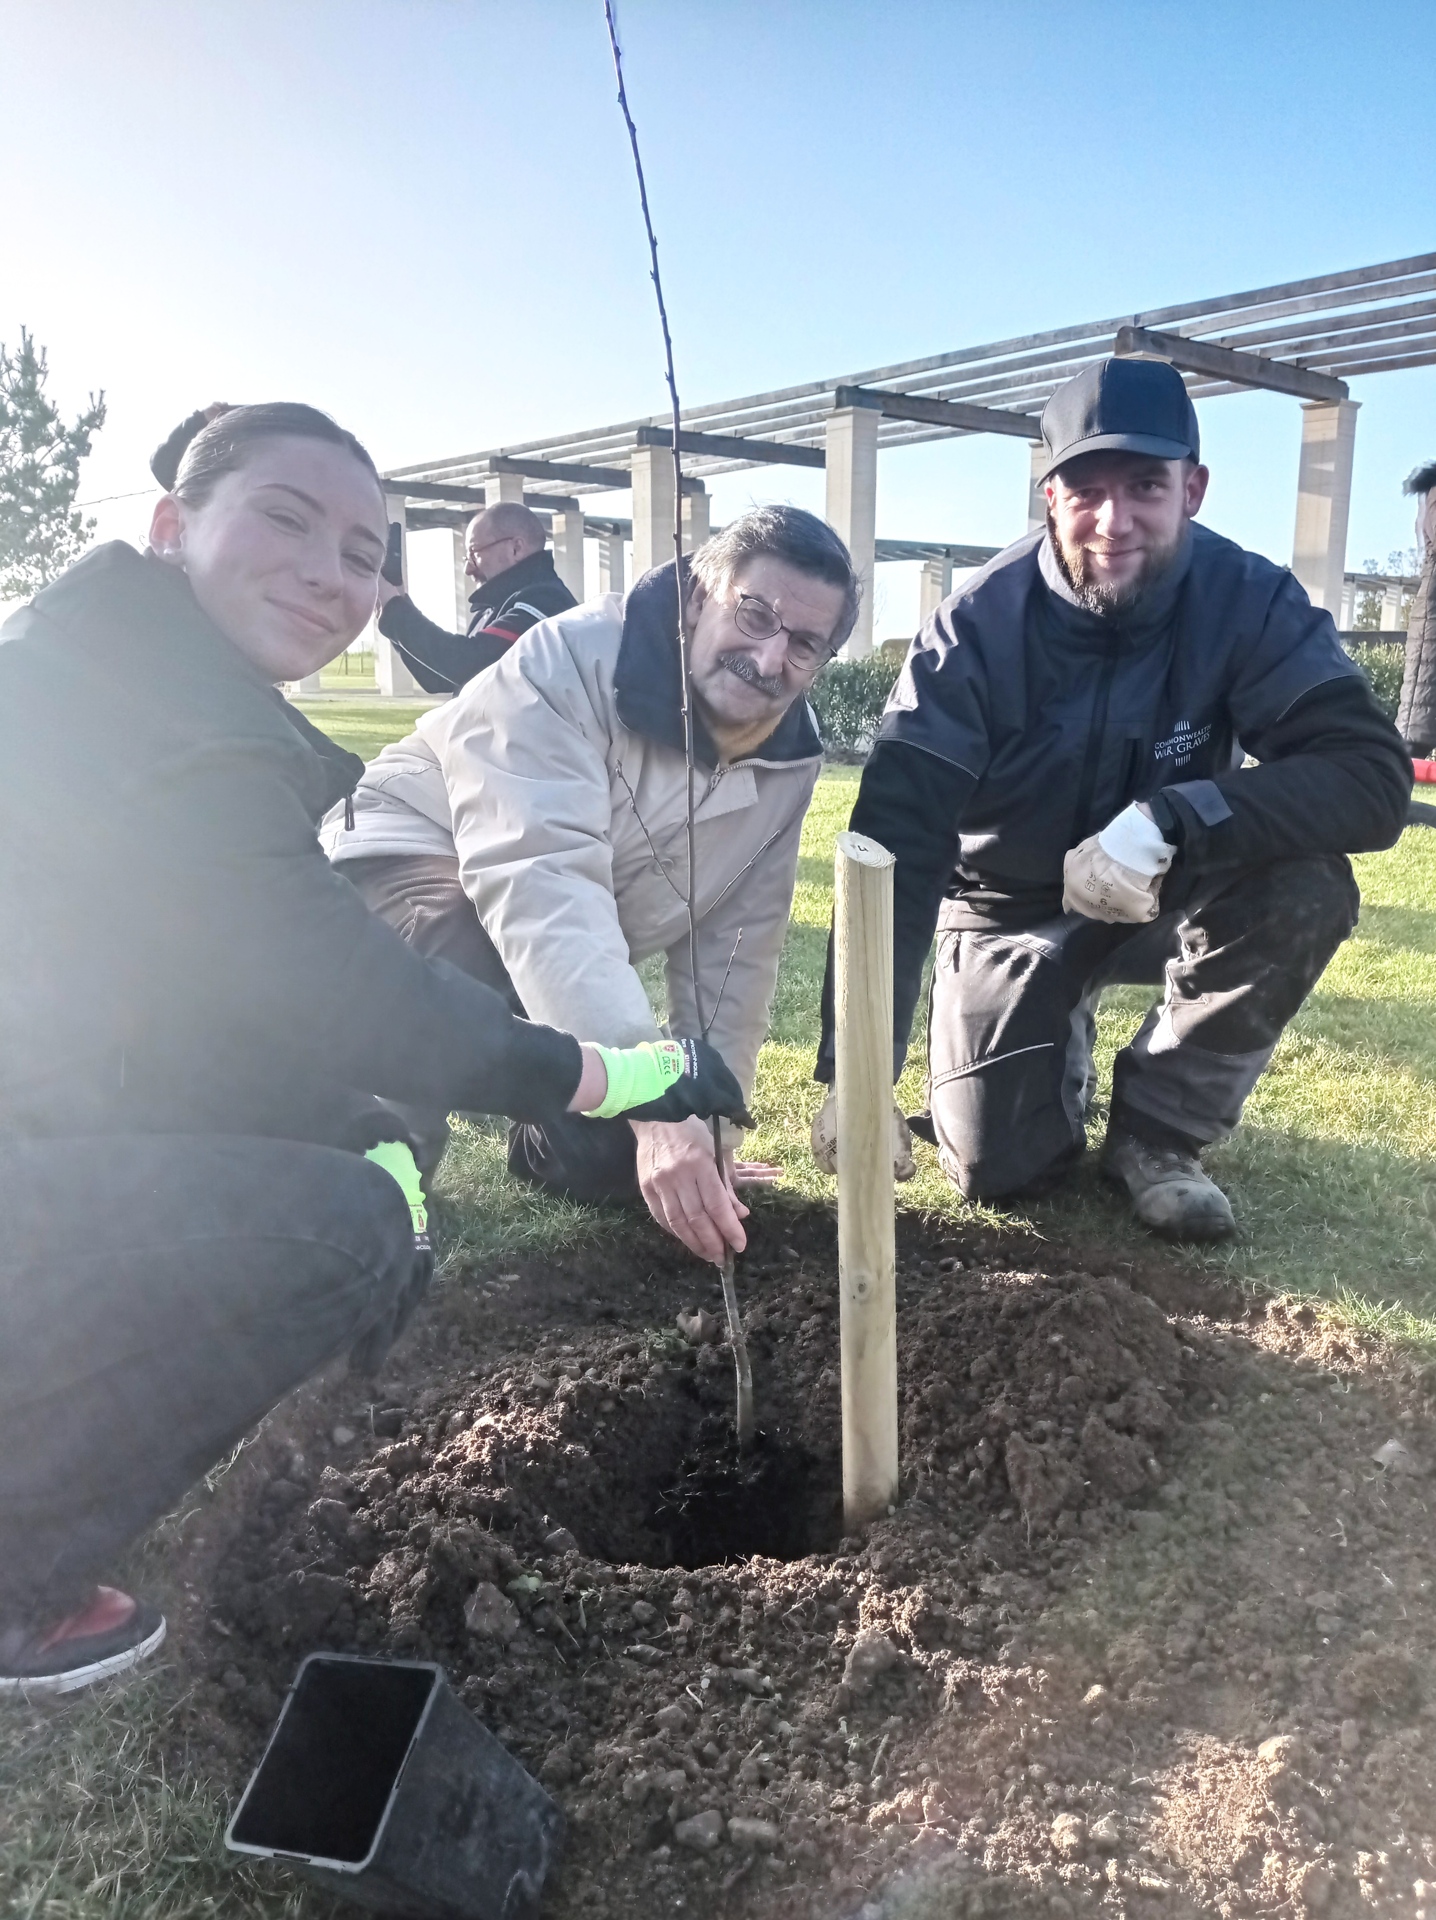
column 824, row 1137
column 1117, row 874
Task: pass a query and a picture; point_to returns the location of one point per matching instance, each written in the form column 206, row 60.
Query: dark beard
column 740, row 665
column 1099, row 597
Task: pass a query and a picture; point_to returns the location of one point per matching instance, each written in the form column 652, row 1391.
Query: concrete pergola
column 1304, row 338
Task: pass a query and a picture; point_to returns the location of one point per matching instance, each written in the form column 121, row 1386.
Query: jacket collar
column 524, row 573
column 648, row 680
column 1149, row 619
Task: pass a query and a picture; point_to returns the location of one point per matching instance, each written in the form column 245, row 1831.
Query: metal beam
column 1222, row 363
column 435, row 490
column 889, row 550
column 574, row 474
column 954, row 414
column 722, row 446
column 473, row 497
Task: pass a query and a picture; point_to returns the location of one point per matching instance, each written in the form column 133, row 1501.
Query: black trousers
column 420, row 895
column 1012, row 1017
column 158, row 1295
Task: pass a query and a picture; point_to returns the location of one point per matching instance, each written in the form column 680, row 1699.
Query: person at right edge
column 1416, row 714
column 1125, row 750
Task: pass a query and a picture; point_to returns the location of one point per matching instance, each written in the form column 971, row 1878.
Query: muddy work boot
column 1169, row 1192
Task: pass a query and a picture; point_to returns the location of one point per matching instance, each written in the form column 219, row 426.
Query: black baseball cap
column 1120, row 406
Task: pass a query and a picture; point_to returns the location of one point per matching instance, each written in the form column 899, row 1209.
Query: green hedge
column 1383, row 665
column 849, row 698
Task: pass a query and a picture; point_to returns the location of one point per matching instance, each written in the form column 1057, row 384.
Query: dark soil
column 1150, row 1632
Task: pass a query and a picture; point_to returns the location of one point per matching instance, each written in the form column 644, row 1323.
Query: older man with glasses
column 533, row 831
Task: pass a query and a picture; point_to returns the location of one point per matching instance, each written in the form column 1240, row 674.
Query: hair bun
column 166, row 458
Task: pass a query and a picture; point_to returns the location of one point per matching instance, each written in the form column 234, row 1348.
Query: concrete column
column 390, row 673
column 851, row 443
column 1346, row 619
column 1391, row 608
column 567, row 530
column 1036, row 498
column 610, row 563
column 503, row 486
column 463, row 585
column 936, row 586
column 697, row 519
column 1323, row 498
column 652, row 508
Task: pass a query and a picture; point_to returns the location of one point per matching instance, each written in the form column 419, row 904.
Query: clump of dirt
column 1149, row 1633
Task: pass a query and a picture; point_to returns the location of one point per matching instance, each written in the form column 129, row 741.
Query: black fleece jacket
column 176, row 953
column 1022, row 725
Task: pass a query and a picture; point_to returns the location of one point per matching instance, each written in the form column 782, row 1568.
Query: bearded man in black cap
column 1126, row 750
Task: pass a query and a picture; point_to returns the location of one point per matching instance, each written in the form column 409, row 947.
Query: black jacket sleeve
column 1333, row 777
column 910, row 802
column 279, row 947
column 440, row 661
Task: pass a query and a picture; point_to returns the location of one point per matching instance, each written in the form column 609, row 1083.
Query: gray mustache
column 742, row 668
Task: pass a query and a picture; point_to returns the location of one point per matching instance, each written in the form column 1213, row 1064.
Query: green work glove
column 669, row 1080
column 397, row 1161
column 369, row 1350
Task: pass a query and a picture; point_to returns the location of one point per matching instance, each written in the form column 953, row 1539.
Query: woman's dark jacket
column 176, row 953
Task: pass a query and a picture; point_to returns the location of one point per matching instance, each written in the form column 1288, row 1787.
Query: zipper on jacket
column 1093, row 757
column 1131, row 767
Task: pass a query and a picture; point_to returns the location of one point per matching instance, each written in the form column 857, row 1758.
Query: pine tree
column 40, row 531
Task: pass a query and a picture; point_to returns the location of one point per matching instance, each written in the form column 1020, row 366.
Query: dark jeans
column 1012, row 1017
column 420, row 895
column 158, row 1295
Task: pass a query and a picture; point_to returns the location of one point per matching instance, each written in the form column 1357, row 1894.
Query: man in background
column 515, row 585
column 1416, row 715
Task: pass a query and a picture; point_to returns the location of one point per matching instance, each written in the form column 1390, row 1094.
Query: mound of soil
column 1150, row 1631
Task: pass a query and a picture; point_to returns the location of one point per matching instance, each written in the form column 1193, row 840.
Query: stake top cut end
column 867, row 853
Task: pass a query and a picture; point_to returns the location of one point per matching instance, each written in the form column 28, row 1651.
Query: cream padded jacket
column 546, row 775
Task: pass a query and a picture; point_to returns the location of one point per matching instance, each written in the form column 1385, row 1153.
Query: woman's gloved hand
column 824, row 1138
column 1117, row 874
column 668, row 1080
column 367, row 1354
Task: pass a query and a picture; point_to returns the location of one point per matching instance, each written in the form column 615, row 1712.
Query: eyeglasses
column 759, row 621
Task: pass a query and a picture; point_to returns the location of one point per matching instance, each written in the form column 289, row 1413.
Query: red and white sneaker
column 108, row 1634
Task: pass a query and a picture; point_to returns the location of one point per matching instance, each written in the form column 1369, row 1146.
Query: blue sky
column 419, row 215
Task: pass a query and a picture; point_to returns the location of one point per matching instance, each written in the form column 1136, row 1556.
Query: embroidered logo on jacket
column 1183, row 744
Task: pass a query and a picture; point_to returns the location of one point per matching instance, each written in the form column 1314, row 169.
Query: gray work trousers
column 1012, row 1018
column 158, row 1295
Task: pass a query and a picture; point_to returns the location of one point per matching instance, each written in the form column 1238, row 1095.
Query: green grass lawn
column 1333, row 1172
column 363, row 721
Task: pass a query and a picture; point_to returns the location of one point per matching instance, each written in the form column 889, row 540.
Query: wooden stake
column 863, row 949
